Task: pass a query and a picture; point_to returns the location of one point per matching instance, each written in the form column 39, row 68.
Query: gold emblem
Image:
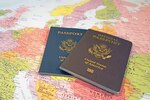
column 100, row 51
column 67, row 45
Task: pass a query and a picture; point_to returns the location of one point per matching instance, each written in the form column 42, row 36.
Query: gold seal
column 67, row 45
column 100, row 51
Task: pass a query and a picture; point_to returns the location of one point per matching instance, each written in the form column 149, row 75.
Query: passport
column 61, row 41
column 99, row 59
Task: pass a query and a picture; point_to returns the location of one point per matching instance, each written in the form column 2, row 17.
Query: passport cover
column 99, row 59
column 60, row 43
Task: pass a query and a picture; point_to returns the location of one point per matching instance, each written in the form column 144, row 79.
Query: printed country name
column 99, row 94
column 107, row 39
column 70, row 97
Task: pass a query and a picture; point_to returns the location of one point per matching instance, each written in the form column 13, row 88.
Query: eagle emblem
column 100, row 51
column 67, row 45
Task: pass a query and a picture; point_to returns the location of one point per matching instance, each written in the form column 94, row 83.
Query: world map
column 24, row 28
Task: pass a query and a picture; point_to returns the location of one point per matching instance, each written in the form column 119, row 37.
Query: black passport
column 60, row 42
column 99, row 59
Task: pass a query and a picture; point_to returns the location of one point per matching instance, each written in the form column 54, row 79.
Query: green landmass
column 3, row 12
column 16, row 34
column 110, row 12
column 52, row 22
column 138, row 73
column 9, row 68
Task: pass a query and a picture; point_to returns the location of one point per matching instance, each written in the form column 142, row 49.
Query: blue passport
column 60, row 42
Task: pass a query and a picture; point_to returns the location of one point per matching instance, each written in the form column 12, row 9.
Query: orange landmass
column 11, row 55
column 106, row 29
column 129, row 88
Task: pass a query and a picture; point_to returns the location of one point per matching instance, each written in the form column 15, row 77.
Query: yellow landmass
column 9, row 55
column 27, row 30
column 66, row 10
column 106, row 28
column 110, row 12
column 52, row 22
column 10, row 65
column 62, row 78
column 45, row 91
column 138, row 74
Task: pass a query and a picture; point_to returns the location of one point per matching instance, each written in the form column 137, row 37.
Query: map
column 24, row 28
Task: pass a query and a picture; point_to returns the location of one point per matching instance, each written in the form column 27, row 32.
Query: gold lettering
column 101, row 65
column 90, row 70
column 70, row 33
column 107, row 39
column 94, row 64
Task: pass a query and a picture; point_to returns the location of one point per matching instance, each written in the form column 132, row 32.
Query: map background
column 24, row 27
